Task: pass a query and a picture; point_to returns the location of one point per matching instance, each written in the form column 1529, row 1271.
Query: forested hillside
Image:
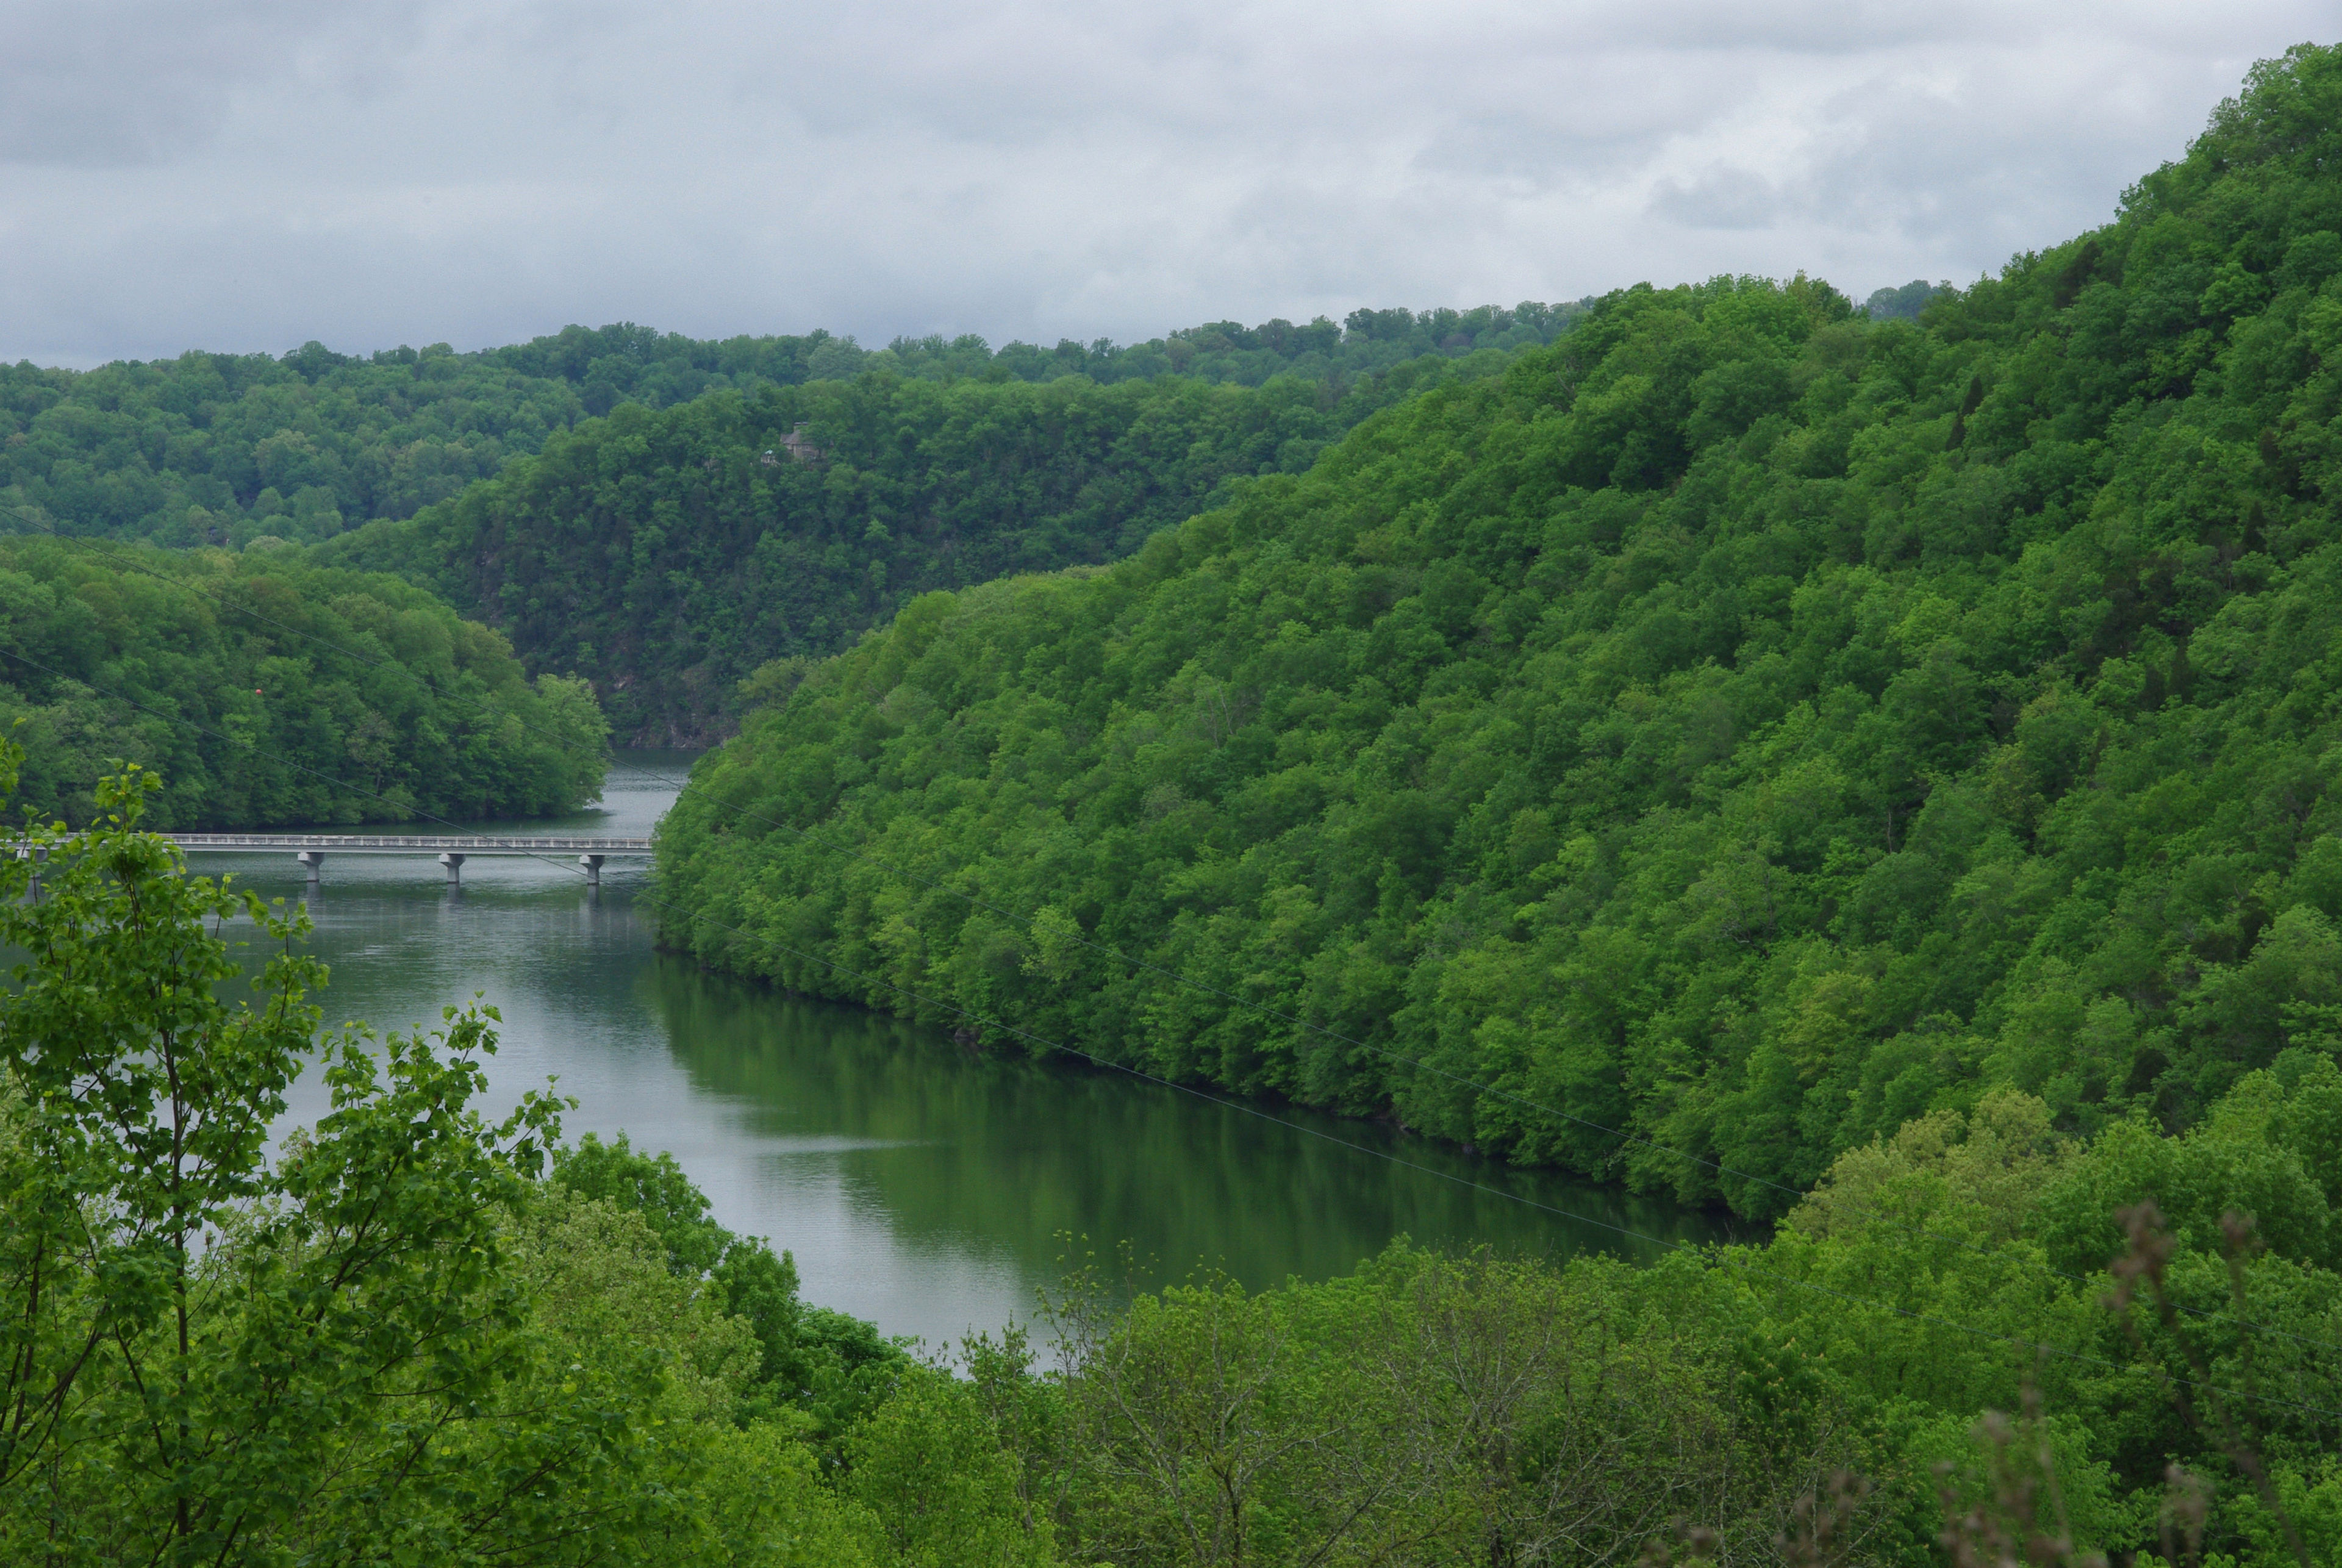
column 666, row 555
column 271, row 694
column 220, row 449
column 1689, row 754
column 412, row 1331
column 1365, row 342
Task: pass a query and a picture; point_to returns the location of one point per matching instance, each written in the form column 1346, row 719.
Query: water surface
column 917, row 1184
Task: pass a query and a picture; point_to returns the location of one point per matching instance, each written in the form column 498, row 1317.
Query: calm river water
column 925, row 1189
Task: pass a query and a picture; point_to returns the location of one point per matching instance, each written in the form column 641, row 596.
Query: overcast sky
column 247, row 175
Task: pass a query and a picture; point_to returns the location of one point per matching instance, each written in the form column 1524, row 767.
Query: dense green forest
column 220, row 449
column 412, row 1333
column 1863, row 768
column 1685, row 757
column 1902, row 304
column 274, row 694
column 1366, row 342
column 665, row 556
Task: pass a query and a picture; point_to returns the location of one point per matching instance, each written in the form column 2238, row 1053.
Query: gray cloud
column 93, row 83
column 250, row 174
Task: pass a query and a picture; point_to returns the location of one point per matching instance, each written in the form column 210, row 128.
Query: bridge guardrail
column 414, row 842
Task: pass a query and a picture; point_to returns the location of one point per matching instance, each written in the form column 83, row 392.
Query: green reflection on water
column 952, row 1146
column 919, row 1186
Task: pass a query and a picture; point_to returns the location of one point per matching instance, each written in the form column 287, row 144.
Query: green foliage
column 1427, row 1410
column 933, row 1470
column 1224, row 352
column 669, row 556
column 405, row 1335
column 385, row 1339
column 829, row 1369
column 302, row 677
column 224, row 449
column 2226, row 1303
column 1902, row 303
column 211, row 1352
column 1744, row 725
column 1846, row 755
column 629, row 364
column 654, row 1188
column 1900, row 1370
column 758, row 1502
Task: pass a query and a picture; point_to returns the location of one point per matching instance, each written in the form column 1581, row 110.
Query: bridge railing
column 481, row 843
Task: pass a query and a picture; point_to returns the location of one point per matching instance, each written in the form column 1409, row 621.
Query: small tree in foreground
column 212, row 1350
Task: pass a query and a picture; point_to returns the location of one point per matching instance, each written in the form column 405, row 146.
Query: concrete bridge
column 453, row 849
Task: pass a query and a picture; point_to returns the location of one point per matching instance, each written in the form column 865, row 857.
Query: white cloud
column 250, row 174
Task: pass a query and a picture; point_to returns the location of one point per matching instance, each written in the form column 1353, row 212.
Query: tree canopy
column 1902, row 303
column 1684, row 756
column 398, row 1335
column 274, row 693
column 667, row 555
column 409, row 1332
column 1875, row 773
column 223, row 448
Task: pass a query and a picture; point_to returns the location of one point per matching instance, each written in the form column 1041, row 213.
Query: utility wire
column 686, row 786
column 1718, row 1257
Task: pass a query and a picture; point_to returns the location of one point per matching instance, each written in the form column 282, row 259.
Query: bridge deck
column 402, row 844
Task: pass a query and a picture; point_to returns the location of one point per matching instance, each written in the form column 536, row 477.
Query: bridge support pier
column 593, row 865
column 313, row 861
column 455, row 864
